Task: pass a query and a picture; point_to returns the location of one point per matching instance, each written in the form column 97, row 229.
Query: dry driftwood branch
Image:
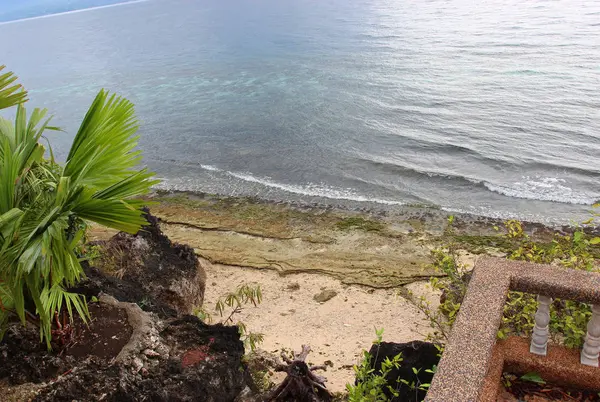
column 301, row 384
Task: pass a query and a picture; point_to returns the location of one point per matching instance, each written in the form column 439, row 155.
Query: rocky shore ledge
column 369, row 248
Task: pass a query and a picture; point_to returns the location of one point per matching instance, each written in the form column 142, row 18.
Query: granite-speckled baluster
column 539, row 338
column 591, row 347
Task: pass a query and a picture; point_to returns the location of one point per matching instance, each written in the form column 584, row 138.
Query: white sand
column 337, row 330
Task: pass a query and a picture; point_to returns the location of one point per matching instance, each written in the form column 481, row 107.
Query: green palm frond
column 54, row 298
column 6, row 305
column 103, row 151
column 11, row 94
column 44, row 207
column 103, row 159
column 20, row 150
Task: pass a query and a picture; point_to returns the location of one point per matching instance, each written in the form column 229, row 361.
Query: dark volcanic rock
column 24, row 359
column 416, row 354
column 126, row 291
column 203, row 363
column 164, row 273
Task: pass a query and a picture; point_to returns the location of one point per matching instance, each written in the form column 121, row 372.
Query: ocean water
column 491, row 108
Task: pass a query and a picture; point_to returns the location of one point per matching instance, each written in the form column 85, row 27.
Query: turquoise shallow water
column 491, row 108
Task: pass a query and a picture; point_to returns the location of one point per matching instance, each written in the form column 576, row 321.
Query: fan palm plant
column 45, row 207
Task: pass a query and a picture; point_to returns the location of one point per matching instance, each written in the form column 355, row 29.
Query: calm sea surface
column 484, row 107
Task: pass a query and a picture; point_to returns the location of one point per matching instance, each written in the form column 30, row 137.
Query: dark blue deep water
column 484, row 107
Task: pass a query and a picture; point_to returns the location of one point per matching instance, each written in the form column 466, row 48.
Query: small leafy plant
column 370, row 384
column 533, row 377
column 231, row 304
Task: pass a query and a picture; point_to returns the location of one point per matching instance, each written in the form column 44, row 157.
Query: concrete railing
column 472, row 363
column 541, row 332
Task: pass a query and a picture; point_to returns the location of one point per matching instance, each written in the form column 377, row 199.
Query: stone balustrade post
column 539, row 338
column 591, row 347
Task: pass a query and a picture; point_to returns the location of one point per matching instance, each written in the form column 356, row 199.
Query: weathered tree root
column 301, row 384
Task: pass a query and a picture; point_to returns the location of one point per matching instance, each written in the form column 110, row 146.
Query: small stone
column 293, row 286
column 328, row 363
column 245, row 395
column 214, row 284
column 150, row 353
column 325, row 295
column 138, row 364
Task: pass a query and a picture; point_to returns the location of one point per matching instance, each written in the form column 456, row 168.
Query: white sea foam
column 210, row 168
column 543, row 189
column 309, row 189
column 533, row 188
column 73, row 12
column 314, row 190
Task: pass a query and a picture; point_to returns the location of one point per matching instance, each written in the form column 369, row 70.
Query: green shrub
column 370, row 385
column 568, row 318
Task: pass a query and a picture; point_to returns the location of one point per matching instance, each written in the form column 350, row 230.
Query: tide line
column 39, row 17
